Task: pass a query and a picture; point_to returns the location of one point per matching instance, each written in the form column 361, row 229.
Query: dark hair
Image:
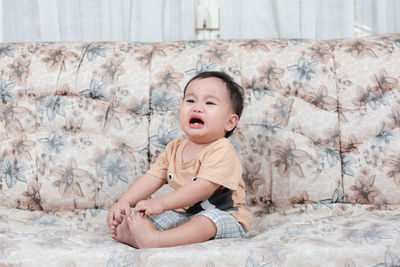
column 235, row 91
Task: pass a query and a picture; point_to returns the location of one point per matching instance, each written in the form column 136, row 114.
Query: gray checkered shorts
column 227, row 225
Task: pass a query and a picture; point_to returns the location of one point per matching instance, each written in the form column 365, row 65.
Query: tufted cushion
column 368, row 87
column 74, row 123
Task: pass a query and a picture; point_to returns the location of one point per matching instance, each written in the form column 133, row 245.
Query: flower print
column 332, row 155
column 112, row 69
column 73, row 126
column 393, row 162
column 12, row 171
column 351, row 146
column 64, row 91
column 169, row 79
column 98, row 161
column 258, row 148
column 364, row 190
column 110, row 118
column 333, row 137
column 303, row 199
column 362, row 97
column 254, row 45
column 321, row 99
column 95, row 50
column 127, row 152
column 115, row 169
column 373, row 158
column 375, row 100
column 391, row 258
column 267, row 128
column 201, row 66
column 54, row 144
column 317, row 144
column 219, row 53
column 33, row 199
column 320, row 52
column 338, row 197
column 95, row 90
column 10, row 115
column 139, row 107
column 371, row 235
column 282, row 109
column 360, row 48
column 163, row 137
column 6, row 96
column 395, row 116
column 270, row 75
column 19, row 70
column 258, row 91
column 252, row 178
column 21, row 147
column 68, row 179
column 146, row 55
column 383, row 138
column 55, row 58
column 7, row 51
column 304, row 70
column 162, row 102
column 264, row 206
column 384, row 83
column 340, row 110
column 289, row 158
column 53, row 106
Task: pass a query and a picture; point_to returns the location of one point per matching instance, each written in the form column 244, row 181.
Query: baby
column 204, row 170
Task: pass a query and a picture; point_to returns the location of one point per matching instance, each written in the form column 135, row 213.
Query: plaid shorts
column 227, row 225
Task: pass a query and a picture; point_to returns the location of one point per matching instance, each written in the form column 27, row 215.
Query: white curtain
column 169, row 20
column 312, row 19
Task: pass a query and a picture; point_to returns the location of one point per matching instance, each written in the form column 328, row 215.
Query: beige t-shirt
column 218, row 163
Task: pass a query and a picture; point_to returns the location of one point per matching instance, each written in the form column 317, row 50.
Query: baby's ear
column 232, row 122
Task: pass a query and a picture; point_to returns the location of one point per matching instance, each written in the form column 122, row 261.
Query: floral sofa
column 319, row 140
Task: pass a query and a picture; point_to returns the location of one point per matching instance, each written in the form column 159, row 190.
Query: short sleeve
column 222, row 166
column 160, row 167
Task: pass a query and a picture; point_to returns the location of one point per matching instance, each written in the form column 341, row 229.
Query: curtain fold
column 170, row 20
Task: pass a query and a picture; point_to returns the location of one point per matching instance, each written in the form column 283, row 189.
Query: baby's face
column 206, row 113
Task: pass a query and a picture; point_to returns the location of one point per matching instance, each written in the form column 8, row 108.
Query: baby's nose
column 197, row 108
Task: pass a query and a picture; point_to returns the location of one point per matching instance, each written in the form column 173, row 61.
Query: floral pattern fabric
column 318, row 141
column 308, row 234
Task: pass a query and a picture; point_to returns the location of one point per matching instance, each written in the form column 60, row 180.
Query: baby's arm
column 185, row 196
column 141, row 189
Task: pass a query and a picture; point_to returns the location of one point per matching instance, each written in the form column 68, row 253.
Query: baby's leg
column 123, row 234
column 199, row 229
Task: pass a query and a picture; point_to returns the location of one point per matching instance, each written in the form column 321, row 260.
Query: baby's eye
column 210, row 103
column 190, row 100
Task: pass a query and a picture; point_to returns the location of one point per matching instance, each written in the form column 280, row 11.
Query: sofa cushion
column 338, row 234
column 74, row 123
column 368, row 89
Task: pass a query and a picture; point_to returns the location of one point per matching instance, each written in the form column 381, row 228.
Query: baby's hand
column 150, row 206
column 116, row 211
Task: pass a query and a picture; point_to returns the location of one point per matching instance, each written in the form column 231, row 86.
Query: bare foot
column 145, row 232
column 123, row 234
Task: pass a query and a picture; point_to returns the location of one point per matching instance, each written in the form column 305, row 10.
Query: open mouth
column 196, row 122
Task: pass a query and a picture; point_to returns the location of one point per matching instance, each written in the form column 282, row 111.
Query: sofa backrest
column 368, row 80
column 74, row 123
column 80, row 121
